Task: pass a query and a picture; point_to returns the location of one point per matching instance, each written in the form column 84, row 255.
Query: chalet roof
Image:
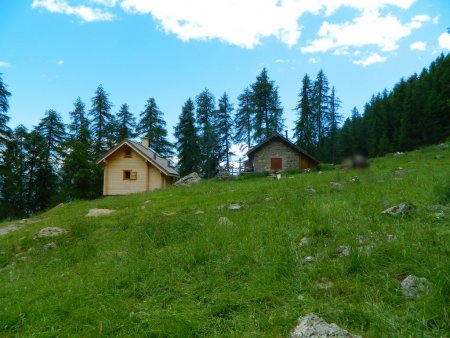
column 148, row 154
column 285, row 141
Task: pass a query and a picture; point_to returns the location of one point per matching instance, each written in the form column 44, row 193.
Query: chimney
column 144, row 142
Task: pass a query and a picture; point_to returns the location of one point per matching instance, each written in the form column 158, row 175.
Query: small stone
column 391, row 238
column 319, row 172
column 401, row 209
column 310, row 189
column 360, row 240
column 99, row 212
column 268, row 199
column 169, row 213
column 399, row 171
column 304, row 241
column 399, row 153
column 343, row 251
column 312, row 326
column 309, row 260
column 225, row 221
column 438, row 207
column 439, row 215
column 49, row 246
column 354, row 179
column 336, row 185
column 234, row 207
column 199, row 212
column 324, row 284
column 414, row 287
column 49, row 232
column 147, row 201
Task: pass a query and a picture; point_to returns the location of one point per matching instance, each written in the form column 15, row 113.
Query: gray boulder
column 49, row 232
column 190, row 179
column 414, row 287
column 225, row 221
column 234, row 207
column 99, row 212
column 343, row 251
column 398, row 210
column 312, row 326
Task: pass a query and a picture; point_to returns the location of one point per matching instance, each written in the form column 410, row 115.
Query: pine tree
column 187, row 140
column 126, row 123
column 153, row 127
column 243, row 119
column 79, row 170
column 320, row 109
column 101, row 121
column 333, row 119
column 4, row 118
column 305, row 126
column 268, row 110
column 12, row 190
column 225, row 121
column 210, row 151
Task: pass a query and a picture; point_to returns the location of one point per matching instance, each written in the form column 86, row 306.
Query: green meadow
column 163, row 265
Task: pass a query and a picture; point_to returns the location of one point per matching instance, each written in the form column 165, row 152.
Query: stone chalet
column 277, row 153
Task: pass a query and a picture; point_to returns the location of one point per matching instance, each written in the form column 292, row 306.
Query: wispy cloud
column 418, row 45
column 282, row 61
column 370, row 60
column 60, row 62
column 313, row 60
column 4, row 64
column 85, row 13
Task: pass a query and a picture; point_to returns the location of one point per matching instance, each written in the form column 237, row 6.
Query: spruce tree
column 225, row 121
column 79, row 126
column 210, row 150
column 4, row 118
column 268, row 109
column 320, row 108
column 333, row 119
column 243, row 119
column 305, row 126
column 188, row 147
column 126, row 123
column 153, row 127
column 101, row 121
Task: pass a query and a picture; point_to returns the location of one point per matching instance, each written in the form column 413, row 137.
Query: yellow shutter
column 133, row 175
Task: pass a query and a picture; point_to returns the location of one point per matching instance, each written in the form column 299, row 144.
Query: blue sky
column 52, row 51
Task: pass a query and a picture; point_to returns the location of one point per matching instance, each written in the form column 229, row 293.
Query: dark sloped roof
column 147, row 153
column 285, row 141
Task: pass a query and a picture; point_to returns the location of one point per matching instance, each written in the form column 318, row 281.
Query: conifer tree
column 320, row 108
column 4, row 118
column 153, row 127
column 79, row 126
column 210, row 150
column 268, row 110
column 225, row 122
column 126, row 123
column 305, row 126
column 188, row 147
column 334, row 118
column 243, row 119
column 52, row 129
column 101, row 121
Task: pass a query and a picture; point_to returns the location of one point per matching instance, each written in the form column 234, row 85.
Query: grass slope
column 141, row 273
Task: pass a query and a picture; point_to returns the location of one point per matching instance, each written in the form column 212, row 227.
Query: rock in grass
column 169, row 213
column 414, row 287
column 304, row 241
column 49, row 246
column 49, row 232
column 225, row 221
column 188, row 180
column 398, row 210
column 312, row 326
column 354, row 179
column 343, row 251
column 99, row 212
column 438, row 207
column 337, row 186
column 309, row 260
column 234, row 207
column 310, row 189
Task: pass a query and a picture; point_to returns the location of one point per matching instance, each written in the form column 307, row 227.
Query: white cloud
column 60, row 62
column 282, row 61
column 107, row 3
column 436, row 19
column 371, row 59
column 85, row 13
column 418, row 45
column 444, row 41
column 313, row 60
column 371, row 28
column 4, row 64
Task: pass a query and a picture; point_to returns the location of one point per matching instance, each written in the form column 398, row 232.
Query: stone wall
column 275, row 148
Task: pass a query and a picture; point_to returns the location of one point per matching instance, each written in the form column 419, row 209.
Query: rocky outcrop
column 312, row 326
column 398, row 210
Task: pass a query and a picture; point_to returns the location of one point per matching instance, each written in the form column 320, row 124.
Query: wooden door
column 276, row 163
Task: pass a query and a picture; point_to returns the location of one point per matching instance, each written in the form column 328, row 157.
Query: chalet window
column 276, row 163
column 129, row 175
column 127, row 152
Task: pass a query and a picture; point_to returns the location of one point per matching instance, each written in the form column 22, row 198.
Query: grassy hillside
column 163, row 265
